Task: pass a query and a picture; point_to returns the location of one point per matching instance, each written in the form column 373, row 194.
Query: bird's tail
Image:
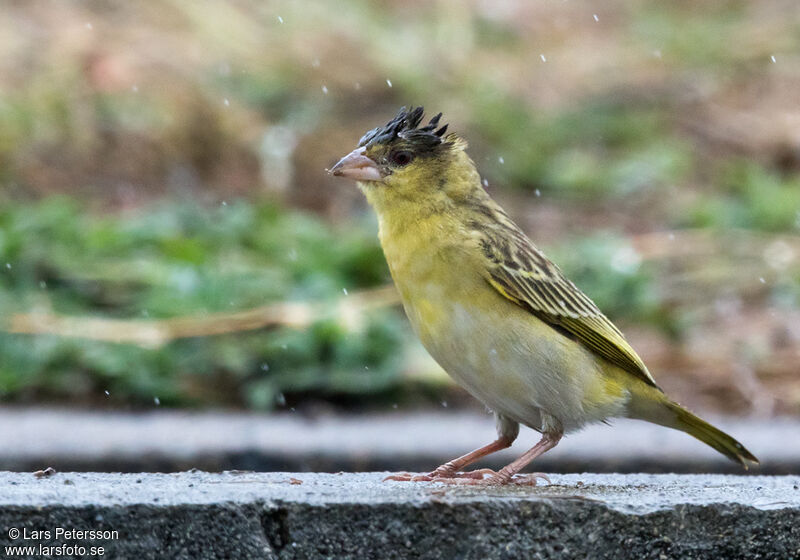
column 652, row 405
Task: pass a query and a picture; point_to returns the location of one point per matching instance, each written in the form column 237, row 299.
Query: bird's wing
column 521, row 273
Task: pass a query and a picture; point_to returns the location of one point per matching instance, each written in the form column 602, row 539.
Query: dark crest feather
column 406, row 125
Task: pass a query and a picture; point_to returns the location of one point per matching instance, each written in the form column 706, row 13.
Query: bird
column 495, row 313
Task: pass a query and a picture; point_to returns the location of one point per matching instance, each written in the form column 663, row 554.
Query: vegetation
column 166, row 161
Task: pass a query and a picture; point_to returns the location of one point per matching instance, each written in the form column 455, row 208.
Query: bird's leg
column 507, row 431
column 503, row 476
column 450, row 469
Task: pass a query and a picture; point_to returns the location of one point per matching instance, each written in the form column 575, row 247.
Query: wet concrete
column 305, row 515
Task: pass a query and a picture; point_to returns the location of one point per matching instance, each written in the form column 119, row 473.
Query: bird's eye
column 401, row 158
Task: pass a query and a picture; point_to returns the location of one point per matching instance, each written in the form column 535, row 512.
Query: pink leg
column 504, row 475
column 451, row 468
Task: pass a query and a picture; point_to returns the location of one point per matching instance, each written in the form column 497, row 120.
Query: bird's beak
column 357, row 166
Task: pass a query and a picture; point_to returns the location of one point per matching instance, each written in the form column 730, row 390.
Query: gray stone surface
column 304, row 515
column 164, row 440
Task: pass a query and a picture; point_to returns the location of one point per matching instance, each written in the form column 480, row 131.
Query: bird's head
column 403, row 160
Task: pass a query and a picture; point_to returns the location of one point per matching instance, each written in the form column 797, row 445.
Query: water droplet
column 280, row 19
column 344, row 290
column 501, row 159
column 485, row 183
column 761, row 279
column 227, row 102
column 325, row 90
column 366, row 368
column 157, row 401
column 265, row 366
column 107, row 392
column 8, row 266
column 388, row 82
column 772, row 58
column 595, row 17
column 444, row 404
column 544, row 59
column 537, row 192
column 224, row 203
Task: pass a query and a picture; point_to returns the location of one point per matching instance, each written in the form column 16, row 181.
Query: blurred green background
column 162, row 180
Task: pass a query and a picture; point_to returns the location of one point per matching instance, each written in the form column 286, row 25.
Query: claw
column 520, row 479
column 401, row 477
column 477, row 474
column 423, row 478
column 530, row 479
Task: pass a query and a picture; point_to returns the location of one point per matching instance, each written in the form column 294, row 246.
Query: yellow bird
column 492, row 310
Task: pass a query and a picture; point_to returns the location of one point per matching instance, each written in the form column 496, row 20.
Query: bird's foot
column 501, row 479
column 529, row 479
column 441, row 475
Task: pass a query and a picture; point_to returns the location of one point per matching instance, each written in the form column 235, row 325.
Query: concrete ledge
column 171, row 440
column 304, row 515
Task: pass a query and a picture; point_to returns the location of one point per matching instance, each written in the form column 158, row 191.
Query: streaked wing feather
column 521, row 273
